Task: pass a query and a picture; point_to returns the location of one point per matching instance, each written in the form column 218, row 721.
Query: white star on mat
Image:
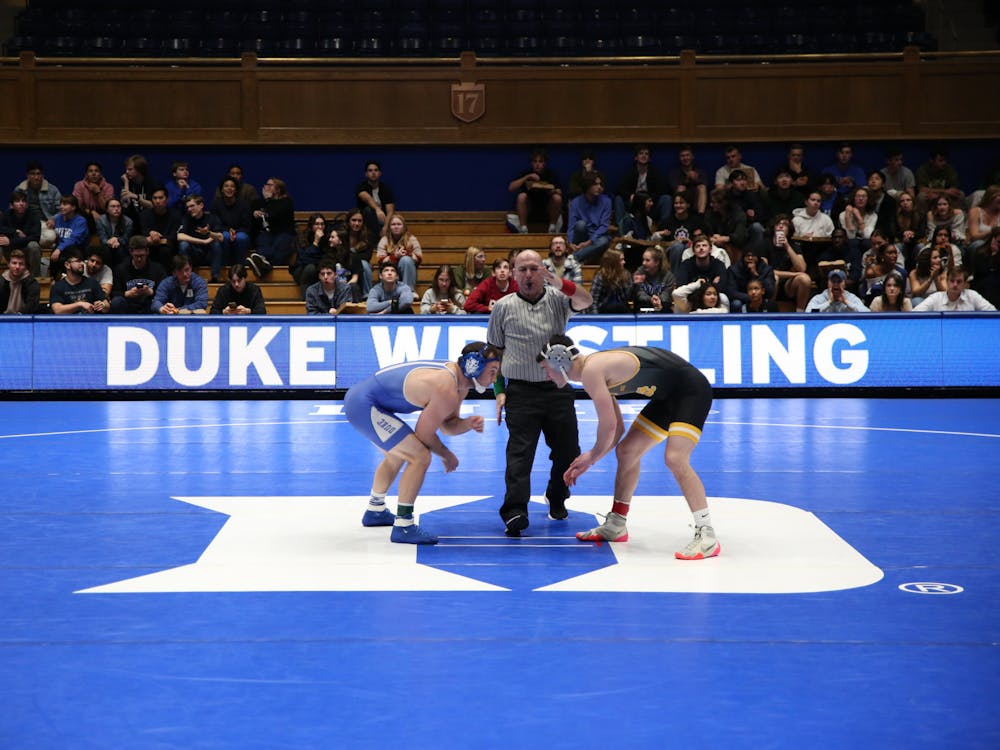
column 301, row 544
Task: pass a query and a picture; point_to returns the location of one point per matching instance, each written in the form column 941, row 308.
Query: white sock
column 702, row 518
column 377, row 501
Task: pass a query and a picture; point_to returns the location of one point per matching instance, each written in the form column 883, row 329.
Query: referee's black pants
column 533, row 409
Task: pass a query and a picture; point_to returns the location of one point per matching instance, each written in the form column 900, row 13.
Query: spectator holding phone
column 135, row 280
column 238, row 296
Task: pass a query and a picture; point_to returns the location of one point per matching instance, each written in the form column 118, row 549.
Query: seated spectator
column 986, row 268
column 679, row 229
column 114, row 230
column 500, row 284
column 703, row 266
column 750, row 267
column 700, row 297
column 159, row 224
column 94, row 267
column 180, row 186
column 928, row 276
column 589, row 219
column 950, row 252
column 92, row 194
column 858, row 220
column 750, row 205
column 891, row 298
column 19, row 289
column 135, row 280
column 612, row 285
column 881, row 260
column 245, row 192
column 653, row 283
column 347, row 262
column 849, row 176
column 835, row 298
column 687, row 179
column 943, row 215
column 898, row 178
column 717, row 252
column 725, row 224
column 936, row 178
column 71, row 231
column 637, row 221
column 539, row 198
column 802, row 177
column 375, row 199
column 734, row 161
column 75, row 294
column 238, row 296
column 474, row 271
column 561, row 263
column 791, row 273
column 402, row 248
column 956, row 298
column 137, row 187
column 883, row 204
column 331, row 294
column 43, row 202
column 809, row 221
column 233, row 213
column 782, row 197
column 830, row 201
column 274, row 217
column 181, row 293
column 200, row 237
column 19, row 231
column 443, row 297
column 360, row 242
column 641, row 177
column 911, row 228
column 588, row 164
column 305, row 270
column 390, row 295
column 757, row 299
column 984, row 217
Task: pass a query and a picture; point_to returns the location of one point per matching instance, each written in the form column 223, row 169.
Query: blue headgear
column 472, row 364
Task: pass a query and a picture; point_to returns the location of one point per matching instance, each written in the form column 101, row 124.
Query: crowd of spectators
column 670, row 238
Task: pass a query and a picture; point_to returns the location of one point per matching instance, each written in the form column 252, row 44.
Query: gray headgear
column 559, row 356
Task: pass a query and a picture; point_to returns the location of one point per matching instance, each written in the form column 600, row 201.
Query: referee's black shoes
column 516, row 524
column 557, row 509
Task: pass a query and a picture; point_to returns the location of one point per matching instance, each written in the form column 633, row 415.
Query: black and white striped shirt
column 522, row 329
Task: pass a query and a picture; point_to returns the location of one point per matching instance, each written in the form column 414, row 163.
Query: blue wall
column 429, row 178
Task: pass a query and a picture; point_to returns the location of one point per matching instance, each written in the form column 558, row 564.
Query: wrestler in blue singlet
column 371, row 406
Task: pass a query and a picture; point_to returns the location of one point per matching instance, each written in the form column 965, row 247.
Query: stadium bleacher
column 425, row 28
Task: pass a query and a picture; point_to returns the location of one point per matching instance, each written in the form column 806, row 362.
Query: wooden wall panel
column 955, row 100
column 10, row 92
column 693, row 99
column 129, row 103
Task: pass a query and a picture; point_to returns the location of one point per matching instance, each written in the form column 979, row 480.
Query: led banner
column 279, row 353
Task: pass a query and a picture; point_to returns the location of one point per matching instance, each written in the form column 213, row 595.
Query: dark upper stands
column 443, row 28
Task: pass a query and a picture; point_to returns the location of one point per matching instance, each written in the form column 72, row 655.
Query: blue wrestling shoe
column 378, row 518
column 412, row 535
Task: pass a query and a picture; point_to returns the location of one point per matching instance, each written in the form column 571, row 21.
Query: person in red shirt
column 500, row 284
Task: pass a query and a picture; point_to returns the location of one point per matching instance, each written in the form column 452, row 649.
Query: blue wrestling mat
column 195, row 575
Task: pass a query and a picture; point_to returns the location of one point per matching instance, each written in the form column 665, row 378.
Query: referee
column 521, row 325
